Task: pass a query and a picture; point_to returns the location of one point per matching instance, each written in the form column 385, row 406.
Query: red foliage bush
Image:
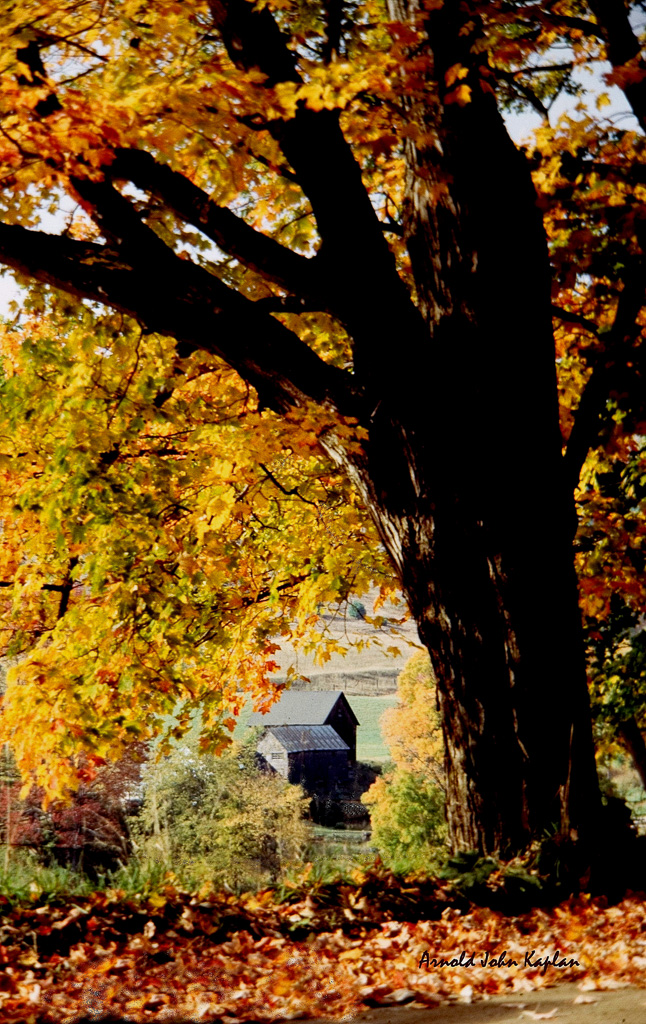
column 89, row 833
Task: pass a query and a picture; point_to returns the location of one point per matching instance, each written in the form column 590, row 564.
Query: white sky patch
column 522, row 126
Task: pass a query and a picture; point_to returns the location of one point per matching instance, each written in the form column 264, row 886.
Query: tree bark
column 466, row 477
column 634, row 742
column 492, row 588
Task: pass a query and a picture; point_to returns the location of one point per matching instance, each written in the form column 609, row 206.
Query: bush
column 408, row 826
column 89, row 833
column 412, row 728
column 356, row 610
column 24, row 877
column 407, row 803
column 220, row 818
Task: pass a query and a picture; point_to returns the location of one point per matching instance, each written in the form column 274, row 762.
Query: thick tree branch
column 287, row 304
column 172, row 296
column 57, row 588
column 68, row 585
column 29, row 55
column 393, row 227
column 618, row 347
column 575, row 318
column 624, row 52
column 254, row 40
column 267, row 257
column 587, row 28
column 334, row 20
column 120, row 223
column 513, row 77
column 354, row 258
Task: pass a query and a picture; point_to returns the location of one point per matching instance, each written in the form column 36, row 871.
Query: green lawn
column 370, row 742
column 241, row 724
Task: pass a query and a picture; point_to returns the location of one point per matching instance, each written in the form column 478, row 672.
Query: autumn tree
column 611, row 558
column 407, row 803
column 407, row 819
column 154, row 550
column 89, row 832
column 326, row 198
column 412, row 729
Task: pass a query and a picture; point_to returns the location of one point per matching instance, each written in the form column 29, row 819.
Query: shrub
column 356, row 610
column 88, row 833
column 407, row 803
column 220, row 818
column 408, row 826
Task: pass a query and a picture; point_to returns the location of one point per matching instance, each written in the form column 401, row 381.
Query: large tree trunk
column 481, row 541
column 498, row 614
column 465, row 479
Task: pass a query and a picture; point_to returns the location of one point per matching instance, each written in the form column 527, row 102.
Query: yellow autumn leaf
column 461, row 95
column 351, row 954
column 454, row 74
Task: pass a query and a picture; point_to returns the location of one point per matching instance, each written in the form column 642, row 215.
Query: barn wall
column 342, row 721
column 318, row 771
column 274, row 754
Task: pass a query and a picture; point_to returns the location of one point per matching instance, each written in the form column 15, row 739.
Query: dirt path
column 620, row 1006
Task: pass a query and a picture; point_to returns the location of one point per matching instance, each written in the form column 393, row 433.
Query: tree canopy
column 316, row 239
column 154, row 553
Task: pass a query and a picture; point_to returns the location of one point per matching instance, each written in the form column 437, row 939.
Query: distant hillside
column 368, row 672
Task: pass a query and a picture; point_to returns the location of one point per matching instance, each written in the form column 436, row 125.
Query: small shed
column 313, row 708
column 313, row 756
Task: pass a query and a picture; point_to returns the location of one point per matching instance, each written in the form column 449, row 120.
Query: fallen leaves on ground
column 176, row 956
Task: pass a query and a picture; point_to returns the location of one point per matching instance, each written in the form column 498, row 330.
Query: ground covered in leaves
column 318, row 951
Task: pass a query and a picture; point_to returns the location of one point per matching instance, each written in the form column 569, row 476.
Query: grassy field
column 370, row 743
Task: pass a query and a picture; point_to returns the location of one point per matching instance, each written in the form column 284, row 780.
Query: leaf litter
column 177, row 956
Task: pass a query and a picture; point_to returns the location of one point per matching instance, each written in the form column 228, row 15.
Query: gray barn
column 310, row 738
column 313, row 755
column 313, row 707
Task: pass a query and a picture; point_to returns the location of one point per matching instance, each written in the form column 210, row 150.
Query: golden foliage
column 406, row 805
column 161, row 535
column 412, row 729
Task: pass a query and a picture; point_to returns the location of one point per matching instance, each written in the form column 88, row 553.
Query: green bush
column 356, row 610
column 408, row 825
column 219, row 818
column 23, row 877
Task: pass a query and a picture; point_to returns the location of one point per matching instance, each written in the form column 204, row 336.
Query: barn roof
column 295, row 738
column 302, row 707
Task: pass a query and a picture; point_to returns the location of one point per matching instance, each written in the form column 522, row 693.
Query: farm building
column 313, row 707
column 310, row 738
column 313, row 755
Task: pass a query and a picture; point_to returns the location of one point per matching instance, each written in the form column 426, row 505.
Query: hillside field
column 370, row 742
